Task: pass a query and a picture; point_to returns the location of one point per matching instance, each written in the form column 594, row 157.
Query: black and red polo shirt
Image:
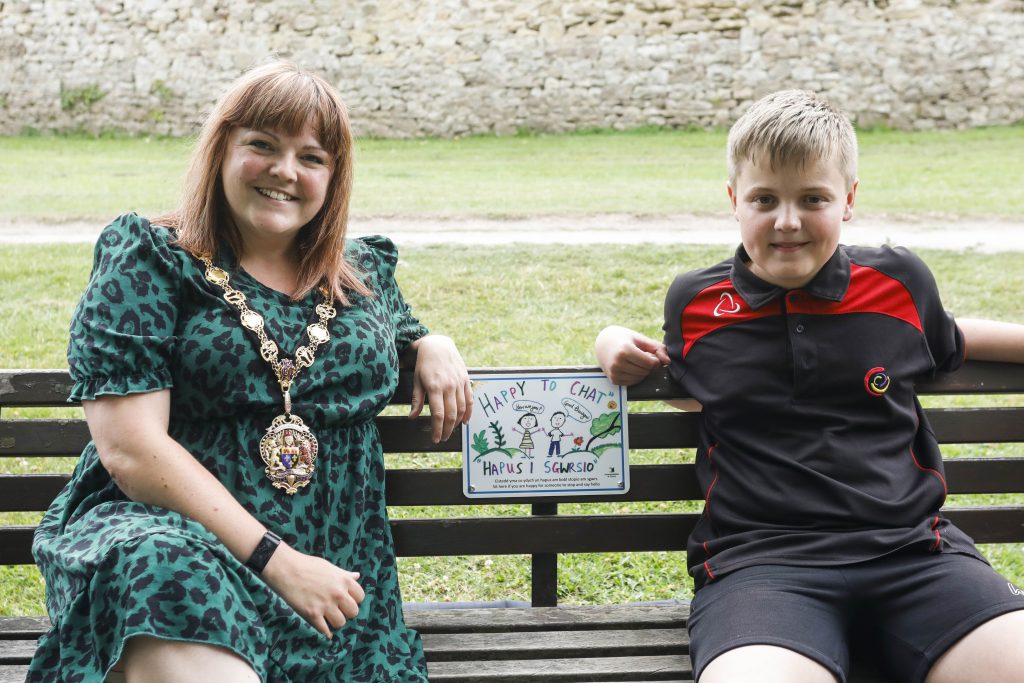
column 814, row 449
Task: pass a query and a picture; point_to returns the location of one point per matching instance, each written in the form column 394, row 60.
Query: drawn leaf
column 499, row 437
column 605, row 425
column 480, row 443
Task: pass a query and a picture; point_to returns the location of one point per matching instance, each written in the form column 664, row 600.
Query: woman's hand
column 628, row 357
column 322, row 594
column 441, row 380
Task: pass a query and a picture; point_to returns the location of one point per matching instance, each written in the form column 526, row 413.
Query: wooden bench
column 641, row 642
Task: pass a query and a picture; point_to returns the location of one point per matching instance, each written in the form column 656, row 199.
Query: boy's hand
column 626, row 356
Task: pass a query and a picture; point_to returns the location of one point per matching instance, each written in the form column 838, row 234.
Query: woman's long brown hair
column 277, row 97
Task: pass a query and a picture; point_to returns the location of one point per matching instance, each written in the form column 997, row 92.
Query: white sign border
column 572, row 492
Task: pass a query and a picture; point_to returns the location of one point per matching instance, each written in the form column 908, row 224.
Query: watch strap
column 264, row 549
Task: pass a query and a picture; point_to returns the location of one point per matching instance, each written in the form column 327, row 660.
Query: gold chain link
column 285, row 369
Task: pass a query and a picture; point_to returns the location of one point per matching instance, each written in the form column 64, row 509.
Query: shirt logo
column 1014, row 589
column 877, row 382
column 726, row 305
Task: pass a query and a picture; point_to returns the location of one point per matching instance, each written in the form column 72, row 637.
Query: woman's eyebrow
column 264, row 131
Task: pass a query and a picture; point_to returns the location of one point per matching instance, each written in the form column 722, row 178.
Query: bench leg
column 544, row 567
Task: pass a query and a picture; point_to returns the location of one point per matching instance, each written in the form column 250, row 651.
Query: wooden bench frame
column 544, row 642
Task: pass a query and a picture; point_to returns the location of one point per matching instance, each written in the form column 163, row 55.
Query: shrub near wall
column 455, row 67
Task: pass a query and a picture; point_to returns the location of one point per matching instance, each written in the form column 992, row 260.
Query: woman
column 227, row 521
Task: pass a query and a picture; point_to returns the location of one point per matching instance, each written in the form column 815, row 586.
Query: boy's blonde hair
column 793, row 126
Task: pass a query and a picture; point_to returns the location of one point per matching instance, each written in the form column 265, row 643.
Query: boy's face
column 790, row 217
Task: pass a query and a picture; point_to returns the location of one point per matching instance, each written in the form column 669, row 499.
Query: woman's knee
column 146, row 659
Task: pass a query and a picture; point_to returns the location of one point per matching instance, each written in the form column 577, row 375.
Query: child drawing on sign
column 556, row 434
column 528, row 422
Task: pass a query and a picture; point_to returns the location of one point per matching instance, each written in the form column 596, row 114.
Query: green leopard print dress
column 114, row 568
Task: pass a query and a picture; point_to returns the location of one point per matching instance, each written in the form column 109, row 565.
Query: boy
column 822, row 478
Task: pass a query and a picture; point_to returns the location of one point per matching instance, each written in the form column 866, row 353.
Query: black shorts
column 904, row 610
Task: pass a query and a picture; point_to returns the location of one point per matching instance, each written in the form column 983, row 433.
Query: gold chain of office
column 289, row 448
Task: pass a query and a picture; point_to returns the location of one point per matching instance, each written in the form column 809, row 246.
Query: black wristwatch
column 264, row 549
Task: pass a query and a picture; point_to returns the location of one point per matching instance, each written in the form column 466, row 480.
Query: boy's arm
column 627, row 356
column 992, row 340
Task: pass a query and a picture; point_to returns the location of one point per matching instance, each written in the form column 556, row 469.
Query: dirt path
column 933, row 233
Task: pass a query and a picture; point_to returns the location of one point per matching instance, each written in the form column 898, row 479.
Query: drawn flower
column 612, row 405
column 578, row 441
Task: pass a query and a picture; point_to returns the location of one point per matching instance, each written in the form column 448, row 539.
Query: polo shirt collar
column 831, row 282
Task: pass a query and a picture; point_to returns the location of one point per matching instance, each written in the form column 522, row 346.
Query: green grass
column 512, row 305
column 40, row 289
column 968, row 173
column 66, row 178
column 956, row 173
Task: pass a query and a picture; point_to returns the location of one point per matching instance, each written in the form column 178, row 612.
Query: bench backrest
column 543, row 533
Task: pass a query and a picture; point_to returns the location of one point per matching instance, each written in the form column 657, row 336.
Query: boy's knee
column 991, row 652
column 764, row 664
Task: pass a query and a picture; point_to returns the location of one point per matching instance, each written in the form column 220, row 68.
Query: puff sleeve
column 385, row 257
column 122, row 337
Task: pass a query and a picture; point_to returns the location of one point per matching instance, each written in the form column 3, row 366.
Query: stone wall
column 456, row 67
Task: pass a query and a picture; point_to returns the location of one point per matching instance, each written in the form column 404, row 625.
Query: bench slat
column 976, row 377
column 43, row 438
column 17, row 674
column 670, row 430
column 405, row 487
column 584, row 617
column 67, row 437
column 553, row 534
column 977, row 425
column 34, row 387
column 22, row 628
column 443, row 486
column 543, row 644
column 425, row 487
column 29, row 388
column 13, row 674
column 569, row 533
column 655, row 668
column 622, row 533
column 991, row 524
column 16, row 545
column 984, row 475
column 643, row 616
column 29, row 492
column 17, row 651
